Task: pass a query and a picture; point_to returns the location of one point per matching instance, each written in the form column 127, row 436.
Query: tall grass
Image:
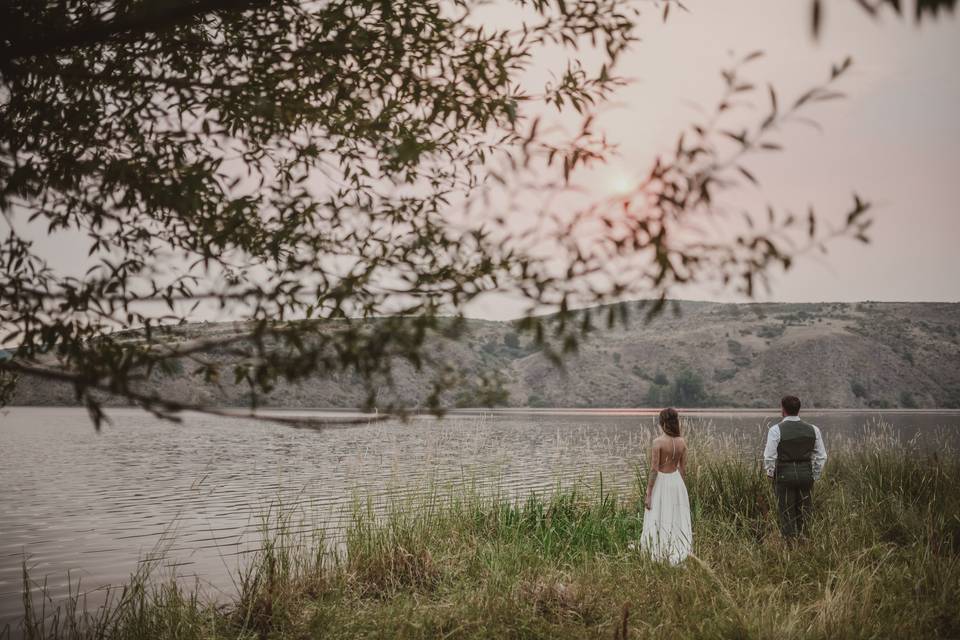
column 882, row 560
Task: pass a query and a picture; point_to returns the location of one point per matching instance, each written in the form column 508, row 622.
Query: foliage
column 722, row 375
column 858, row 389
column 907, row 401
column 922, row 9
column 950, row 398
column 281, row 160
column 486, row 390
column 688, row 390
column 656, row 397
column 770, row 331
column 536, row 401
column 742, row 361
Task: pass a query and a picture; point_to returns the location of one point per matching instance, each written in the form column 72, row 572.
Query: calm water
column 191, row 497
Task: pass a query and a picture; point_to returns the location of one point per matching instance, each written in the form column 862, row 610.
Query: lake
column 191, row 498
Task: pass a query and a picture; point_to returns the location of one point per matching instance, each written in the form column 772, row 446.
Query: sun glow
column 620, row 183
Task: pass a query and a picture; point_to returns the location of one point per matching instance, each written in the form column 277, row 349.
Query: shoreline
column 627, row 411
column 460, row 563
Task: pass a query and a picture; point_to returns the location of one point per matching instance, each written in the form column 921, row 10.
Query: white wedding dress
column 667, row 534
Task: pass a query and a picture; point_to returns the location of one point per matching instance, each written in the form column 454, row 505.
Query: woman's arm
column 682, row 465
column 654, row 463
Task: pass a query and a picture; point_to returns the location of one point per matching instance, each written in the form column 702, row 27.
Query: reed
column 459, row 561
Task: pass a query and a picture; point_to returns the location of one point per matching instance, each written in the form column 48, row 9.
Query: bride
column 667, row 534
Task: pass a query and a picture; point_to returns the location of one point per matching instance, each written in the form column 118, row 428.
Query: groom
column 793, row 459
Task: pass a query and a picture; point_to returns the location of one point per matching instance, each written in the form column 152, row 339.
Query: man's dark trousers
column 794, row 502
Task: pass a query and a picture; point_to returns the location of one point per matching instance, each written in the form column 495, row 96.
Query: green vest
column 797, row 443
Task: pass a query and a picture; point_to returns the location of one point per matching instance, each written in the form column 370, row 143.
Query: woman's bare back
column 670, row 453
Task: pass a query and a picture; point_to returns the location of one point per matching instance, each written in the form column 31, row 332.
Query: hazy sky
column 895, row 139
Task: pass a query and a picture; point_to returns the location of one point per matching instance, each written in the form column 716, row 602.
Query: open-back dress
column 667, row 533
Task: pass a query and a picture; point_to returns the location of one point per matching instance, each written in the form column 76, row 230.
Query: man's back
column 794, row 452
column 793, row 459
column 790, row 443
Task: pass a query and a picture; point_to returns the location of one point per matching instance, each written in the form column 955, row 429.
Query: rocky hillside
column 868, row 354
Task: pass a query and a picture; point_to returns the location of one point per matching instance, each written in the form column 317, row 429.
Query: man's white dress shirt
column 818, row 459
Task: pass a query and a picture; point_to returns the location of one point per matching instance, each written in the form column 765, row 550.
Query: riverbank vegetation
column 883, row 560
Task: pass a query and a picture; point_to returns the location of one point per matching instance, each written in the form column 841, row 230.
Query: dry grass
column 883, row 560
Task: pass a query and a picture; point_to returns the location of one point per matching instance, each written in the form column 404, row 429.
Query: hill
column 854, row 355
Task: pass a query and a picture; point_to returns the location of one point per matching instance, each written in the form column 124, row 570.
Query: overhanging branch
column 151, row 17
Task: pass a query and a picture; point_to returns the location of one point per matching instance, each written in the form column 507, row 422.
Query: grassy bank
column 883, row 561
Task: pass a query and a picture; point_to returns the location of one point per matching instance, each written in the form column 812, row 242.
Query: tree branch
column 150, row 18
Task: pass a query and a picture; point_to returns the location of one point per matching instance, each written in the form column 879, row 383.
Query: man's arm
column 819, row 455
column 770, row 451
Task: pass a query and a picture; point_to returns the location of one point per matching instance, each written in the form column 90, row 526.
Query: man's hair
column 790, row 404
